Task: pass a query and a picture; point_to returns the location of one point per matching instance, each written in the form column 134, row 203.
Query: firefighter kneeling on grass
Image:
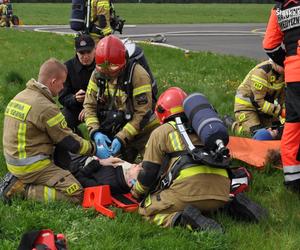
column 188, row 188
column 259, row 98
column 33, row 126
column 119, row 102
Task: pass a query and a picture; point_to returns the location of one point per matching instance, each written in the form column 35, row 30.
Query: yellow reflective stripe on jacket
column 278, row 85
column 49, row 194
column 84, row 147
column 243, row 102
column 159, row 219
column 188, row 172
column 260, row 82
column 104, row 4
column 92, row 86
column 22, row 140
column 106, row 31
column 142, row 89
column 55, row 120
column 91, row 120
column 20, row 170
column 175, row 141
column 266, row 107
column 17, row 110
column 139, row 188
column 131, row 129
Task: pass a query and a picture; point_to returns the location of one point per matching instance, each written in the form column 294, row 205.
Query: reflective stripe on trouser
column 53, row 183
column 290, row 151
column 161, row 207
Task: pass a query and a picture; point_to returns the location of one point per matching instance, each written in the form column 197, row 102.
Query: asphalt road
column 232, row 39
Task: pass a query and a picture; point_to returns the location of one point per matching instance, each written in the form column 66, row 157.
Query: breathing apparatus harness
column 194, row 155
column 112, row 119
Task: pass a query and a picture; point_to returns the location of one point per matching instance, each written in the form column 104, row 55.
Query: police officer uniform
column 121, row 109
column 254, row 101
column 77, row 78
column 33, row 124
column 204, row 187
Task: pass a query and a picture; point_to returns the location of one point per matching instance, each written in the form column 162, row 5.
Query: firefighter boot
column 10, row 186
column 192, row 217
column 242, row 208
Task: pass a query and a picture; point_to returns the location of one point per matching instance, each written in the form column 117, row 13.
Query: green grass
column 216, row 76
column 47, row 13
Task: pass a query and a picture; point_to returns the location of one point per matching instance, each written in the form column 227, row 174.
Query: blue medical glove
column 102, row 152
column 102, row 139
column 115, row 146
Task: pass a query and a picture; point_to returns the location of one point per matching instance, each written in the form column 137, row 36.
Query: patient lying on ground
column 91, row 171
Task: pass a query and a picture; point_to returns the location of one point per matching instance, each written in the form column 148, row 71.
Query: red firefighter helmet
column 169, row 103
column 110, row 56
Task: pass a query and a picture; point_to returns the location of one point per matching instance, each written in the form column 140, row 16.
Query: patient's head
column 131, row 173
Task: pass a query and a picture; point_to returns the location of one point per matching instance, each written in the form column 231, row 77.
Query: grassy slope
column 20, row 56
column 47, row 13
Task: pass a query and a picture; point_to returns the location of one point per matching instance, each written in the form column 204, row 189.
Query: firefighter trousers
column 246, row 121
column 162, row 207
column 52, row 183
column 290, row 141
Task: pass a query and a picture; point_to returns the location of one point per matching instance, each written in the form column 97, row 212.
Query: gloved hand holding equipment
column 115, row 146
column 101, row 141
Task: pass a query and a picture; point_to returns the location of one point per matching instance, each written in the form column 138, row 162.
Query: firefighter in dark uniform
column 119, row 112
column 33, row 125
column 259, row 99
column 195, row 188
column 282, row 44
column 80, row 69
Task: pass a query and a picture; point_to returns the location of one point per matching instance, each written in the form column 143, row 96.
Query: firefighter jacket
column 283, row 30
column 100, row 17
column 78, row 78
column 166, row 140
column 133, row 99
column 33, row 124
column 3, row 8
column 260, row 88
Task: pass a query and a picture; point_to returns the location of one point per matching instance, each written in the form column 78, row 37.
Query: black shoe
column 242, row 208
column 9, row 186
column 228, row 121
column 192, row 217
